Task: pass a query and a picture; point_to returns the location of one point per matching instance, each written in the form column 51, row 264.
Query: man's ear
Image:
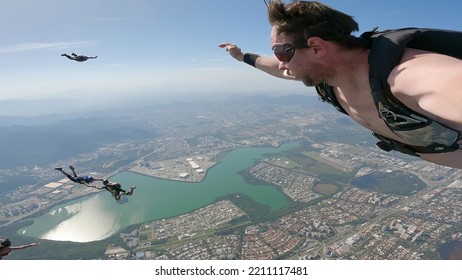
column 317, row 44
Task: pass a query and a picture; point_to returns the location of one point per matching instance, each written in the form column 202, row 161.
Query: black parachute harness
column 427, row 135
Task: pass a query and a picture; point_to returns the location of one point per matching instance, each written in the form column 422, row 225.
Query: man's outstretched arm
column 24, row 246
column 267, row 64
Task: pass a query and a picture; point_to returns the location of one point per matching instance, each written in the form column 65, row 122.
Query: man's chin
column 309, row 83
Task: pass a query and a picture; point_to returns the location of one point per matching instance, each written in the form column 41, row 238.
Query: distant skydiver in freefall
column 84, row 180
column 79, row 58
column 116, row 189
column 5, row 247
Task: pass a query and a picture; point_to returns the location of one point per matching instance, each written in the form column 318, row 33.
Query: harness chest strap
column 410, row 126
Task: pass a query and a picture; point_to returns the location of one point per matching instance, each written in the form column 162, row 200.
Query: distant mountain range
column 55, row 129
column 45, row 111
column 35, row 107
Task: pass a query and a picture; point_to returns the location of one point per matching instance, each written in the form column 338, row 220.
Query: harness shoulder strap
column 326, row 94
column 428, row 135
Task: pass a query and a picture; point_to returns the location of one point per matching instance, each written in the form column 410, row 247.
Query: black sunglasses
column 285, row 52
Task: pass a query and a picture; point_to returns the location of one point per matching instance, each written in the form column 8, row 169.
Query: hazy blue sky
column 157, row 47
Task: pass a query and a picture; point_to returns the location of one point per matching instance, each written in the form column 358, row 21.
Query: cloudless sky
column 163, row 47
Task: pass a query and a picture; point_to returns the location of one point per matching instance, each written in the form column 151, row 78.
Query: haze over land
column 342, row 191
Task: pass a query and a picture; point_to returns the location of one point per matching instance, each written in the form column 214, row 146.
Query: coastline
column 133, row 167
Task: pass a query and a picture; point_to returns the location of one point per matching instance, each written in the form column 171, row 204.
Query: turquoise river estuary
column 98, row 216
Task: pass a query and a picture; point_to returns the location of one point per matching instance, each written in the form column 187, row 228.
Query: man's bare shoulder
column 422, row 71
column 431, row 84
